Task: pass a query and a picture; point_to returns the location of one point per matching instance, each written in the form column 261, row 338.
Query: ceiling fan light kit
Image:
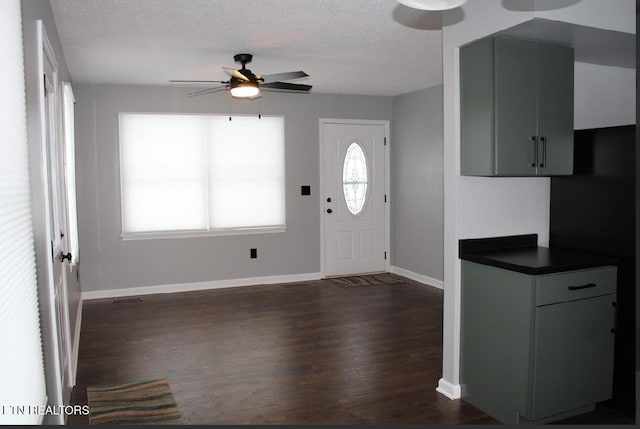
column 244, row 89
column 432, row 5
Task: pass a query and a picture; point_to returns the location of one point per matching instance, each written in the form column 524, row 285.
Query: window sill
column 161, row 235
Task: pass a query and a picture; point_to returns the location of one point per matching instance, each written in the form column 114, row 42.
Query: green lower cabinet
column 536, row 349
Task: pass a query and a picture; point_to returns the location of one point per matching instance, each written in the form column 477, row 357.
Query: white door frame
column 57, row 210
column 387, row 183
column 42, row 59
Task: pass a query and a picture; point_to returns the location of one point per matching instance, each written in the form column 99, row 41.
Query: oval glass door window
column 355, row 179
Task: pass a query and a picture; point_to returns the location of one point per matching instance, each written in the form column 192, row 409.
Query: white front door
column 354, row 197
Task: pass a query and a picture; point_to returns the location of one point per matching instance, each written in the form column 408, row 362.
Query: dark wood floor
column 300, row 353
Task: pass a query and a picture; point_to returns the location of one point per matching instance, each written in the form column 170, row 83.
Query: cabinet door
column 515, row 106
column 476, row 108
column 573, row 355
column 555, row 110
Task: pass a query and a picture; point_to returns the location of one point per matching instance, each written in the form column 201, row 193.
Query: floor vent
column 124, row 300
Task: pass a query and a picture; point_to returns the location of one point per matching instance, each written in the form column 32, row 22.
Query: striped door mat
column 365, row 280
column 143, row 403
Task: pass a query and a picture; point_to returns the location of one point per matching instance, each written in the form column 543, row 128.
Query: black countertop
column 522, row 254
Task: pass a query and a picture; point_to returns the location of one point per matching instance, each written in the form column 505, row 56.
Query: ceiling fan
column 244, row 84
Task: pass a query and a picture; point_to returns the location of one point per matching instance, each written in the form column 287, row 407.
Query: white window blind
column 246, row 171
column 21, row 361
column 68, row 116
column 201, row 173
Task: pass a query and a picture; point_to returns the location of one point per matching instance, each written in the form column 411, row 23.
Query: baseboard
column 554, row 418
column 417, row 277
column 76, row 344
column 451, row 391
column 191, row 287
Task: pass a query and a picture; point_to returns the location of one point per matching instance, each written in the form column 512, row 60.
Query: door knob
column 329, row 211
column 67, row 256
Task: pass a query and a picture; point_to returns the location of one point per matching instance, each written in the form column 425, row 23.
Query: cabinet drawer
column 569, row 286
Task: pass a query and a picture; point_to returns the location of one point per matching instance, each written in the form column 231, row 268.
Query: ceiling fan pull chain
column 260, row 108
column 229, row 107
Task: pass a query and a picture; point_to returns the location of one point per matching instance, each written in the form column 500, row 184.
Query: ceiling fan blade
column 268, row 78
column 207, row 91
column 285, row 86
column 186, row 82
column 235, row 73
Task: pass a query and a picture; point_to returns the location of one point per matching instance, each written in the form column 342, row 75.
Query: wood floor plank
column 301, row 353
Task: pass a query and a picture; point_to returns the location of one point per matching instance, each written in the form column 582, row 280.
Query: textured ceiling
column 374, row 47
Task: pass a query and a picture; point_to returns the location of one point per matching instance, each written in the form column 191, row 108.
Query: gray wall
column 108, row 262
column 417, row 187
column 603, row 96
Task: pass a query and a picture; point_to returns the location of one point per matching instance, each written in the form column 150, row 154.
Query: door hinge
column 52, row 258
column 385, row 141
column 385, row 256
column 385, row 198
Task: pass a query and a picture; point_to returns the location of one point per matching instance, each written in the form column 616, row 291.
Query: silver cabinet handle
column 543, row 140
column 534, row 140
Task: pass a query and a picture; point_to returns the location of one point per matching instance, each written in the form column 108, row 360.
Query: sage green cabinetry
column 536, row 348
column 516, row 108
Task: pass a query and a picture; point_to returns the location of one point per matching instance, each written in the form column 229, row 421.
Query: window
column 201, row 174
column 68, row 101
column 355, row 179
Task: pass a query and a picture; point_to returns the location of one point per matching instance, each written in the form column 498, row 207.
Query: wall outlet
column 253, row 254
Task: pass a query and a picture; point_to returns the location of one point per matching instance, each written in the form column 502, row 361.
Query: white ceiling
column 373, row 47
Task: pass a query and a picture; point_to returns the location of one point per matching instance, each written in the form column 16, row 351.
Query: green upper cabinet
column 516, row 108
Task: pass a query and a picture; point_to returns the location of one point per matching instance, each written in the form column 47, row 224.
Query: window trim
column 154, row 235
column 196, row 233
